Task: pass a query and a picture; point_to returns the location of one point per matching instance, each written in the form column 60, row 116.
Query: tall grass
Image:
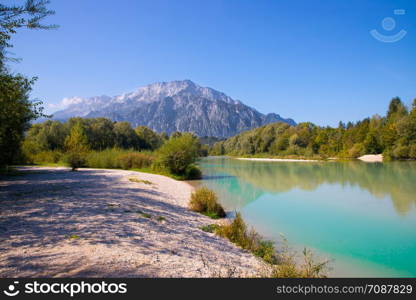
column 283, row 262
column 106, row 159
column 205, row 201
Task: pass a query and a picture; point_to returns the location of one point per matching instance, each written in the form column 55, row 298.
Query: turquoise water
column 360, row 215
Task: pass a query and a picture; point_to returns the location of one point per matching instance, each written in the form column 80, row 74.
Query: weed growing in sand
column 209, row 228
column 140, row 181
column 74, row 237
column 161, row 218
column 145, row 215
column 205, row 201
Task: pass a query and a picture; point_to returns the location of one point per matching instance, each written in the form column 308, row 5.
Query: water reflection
column 241, row 182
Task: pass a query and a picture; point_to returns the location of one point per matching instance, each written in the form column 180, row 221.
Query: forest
column 393, row 135
column 102, row 143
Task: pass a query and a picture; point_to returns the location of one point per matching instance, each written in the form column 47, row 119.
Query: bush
column 193, row 172
column 135, row 160
column 288, row 268
column 178, row 153
column 44, row 157
column 237, row 233
column 401, row 152
column 412, row 152
column 205, row 201
column 106, row 159
column 356, row 151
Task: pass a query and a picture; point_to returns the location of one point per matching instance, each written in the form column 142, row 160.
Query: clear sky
column 311, row 60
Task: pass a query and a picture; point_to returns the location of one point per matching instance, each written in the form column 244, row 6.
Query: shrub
column 288, row 268
column 75, row 160
column 205, row 201
column 135, row 160
column 356, row 151
column 106, row 159
column 44, row 157
column 178, row 153
column 237, row 233
column 193, row 172
column 210, row 228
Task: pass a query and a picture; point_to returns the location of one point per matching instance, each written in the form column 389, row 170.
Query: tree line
column 100, row 134
column 393, row 135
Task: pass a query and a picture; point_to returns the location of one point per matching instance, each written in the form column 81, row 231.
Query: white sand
column 278, row 159
column 40, row 211
column 371, row 158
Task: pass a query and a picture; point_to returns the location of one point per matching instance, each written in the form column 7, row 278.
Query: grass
column 144, row 215
column 74, row 237
column 137, row 180
column 205, row 201
column 211, row 228
column 283, row 263
column 161, row 219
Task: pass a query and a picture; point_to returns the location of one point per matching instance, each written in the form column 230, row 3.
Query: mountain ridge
column 179, row 105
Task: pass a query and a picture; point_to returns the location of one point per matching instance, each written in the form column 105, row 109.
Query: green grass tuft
column 205, row 201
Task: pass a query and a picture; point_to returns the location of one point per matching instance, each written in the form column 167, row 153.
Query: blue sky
column 310, row 60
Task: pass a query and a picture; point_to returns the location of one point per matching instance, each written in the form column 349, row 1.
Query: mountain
column 173, row 106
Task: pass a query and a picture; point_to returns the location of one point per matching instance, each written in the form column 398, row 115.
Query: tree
column 76, row 144
column 371, row 144
column 125, row 136
column 101, row 133
column 150, row 139
column 178, row 154
column 16, row 113
column 396, row 110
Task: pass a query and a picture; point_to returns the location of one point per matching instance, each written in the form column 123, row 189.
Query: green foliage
column 211, row 228
column 125, row 136
column 205, row 201
column 140, row 181
column 178, row 153
column 150, row 140
column 393, row 135
column 135, row 160
column 106, row 159
column 193, row 172
column 101, row 134
column 16, row 113
column 283, row 262
column 250, row 240
column 76, row 145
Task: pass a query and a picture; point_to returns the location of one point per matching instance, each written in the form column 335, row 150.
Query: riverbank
column 109, row 223
column 278, row 159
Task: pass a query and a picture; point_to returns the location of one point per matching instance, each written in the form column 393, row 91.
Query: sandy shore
column 278, row 159
column 372, row 158
column 97, row 223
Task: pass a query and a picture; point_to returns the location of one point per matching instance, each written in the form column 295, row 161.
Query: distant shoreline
column 371, row 158
column 279, row 159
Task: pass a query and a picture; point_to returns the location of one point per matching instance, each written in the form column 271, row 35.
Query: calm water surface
column 361, row 215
